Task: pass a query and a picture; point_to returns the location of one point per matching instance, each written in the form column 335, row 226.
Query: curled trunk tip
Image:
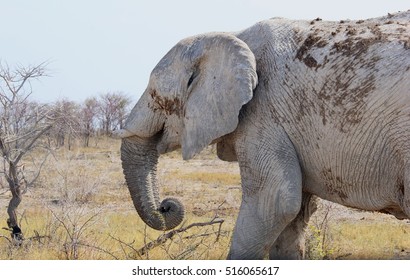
column 173, row 212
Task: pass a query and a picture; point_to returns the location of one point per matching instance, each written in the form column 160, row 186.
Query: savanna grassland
column 80, row 208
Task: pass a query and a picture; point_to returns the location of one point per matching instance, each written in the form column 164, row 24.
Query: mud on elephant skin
column 306, row 108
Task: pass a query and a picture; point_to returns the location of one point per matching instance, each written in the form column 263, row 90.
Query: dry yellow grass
column 81, row 233
column 80, row 209
column 371, row 240
column 206, row 177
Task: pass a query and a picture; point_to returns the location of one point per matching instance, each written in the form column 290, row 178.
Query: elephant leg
column 290, row 245
column 271, row 196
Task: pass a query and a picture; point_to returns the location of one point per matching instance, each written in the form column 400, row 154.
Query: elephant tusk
column 122, row 133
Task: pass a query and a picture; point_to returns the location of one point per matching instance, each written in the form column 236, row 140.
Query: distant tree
column 67, row 118
column 113, row 108
column 22, row 124
column 89, row 113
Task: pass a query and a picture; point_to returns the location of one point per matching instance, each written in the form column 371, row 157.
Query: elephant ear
column 223, row 79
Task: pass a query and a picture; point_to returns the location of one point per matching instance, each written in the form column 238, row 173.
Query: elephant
column 306, row 108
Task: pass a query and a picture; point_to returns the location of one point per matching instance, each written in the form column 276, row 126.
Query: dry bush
column 319, row 236
column 201, row 240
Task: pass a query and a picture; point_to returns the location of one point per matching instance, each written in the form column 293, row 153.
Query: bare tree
column 22, row 124
column 89, row 113
column 66, row 116
column 113, row 110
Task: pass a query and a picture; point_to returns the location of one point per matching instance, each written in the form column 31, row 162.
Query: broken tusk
column 121, row 133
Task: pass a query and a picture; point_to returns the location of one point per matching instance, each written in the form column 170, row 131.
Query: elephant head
column 193, row 98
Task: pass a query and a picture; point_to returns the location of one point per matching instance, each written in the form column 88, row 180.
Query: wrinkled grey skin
column 306, row 108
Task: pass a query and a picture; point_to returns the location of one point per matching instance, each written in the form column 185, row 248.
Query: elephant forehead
column 167, row 79
column 174, row 59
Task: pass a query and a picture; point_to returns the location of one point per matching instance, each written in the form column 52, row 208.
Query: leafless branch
column 37, row 237
column 5, row 237
column 203, row 235
column 127, row 245
column 98, row 249
column 88, row 221
column 1, row 193
column 63, row 223
column 169, row 235
column 37, row 175
column 15, row 80
column 32, row 142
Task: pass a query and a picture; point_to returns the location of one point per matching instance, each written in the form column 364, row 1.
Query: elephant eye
column 191, row 80
column 193, row 77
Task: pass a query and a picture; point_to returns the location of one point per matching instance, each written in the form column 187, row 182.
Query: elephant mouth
column 167, row 141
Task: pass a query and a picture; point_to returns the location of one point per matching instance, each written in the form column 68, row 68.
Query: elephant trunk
column 139, row 161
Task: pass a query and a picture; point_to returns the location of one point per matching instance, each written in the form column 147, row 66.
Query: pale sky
column 95, row 46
